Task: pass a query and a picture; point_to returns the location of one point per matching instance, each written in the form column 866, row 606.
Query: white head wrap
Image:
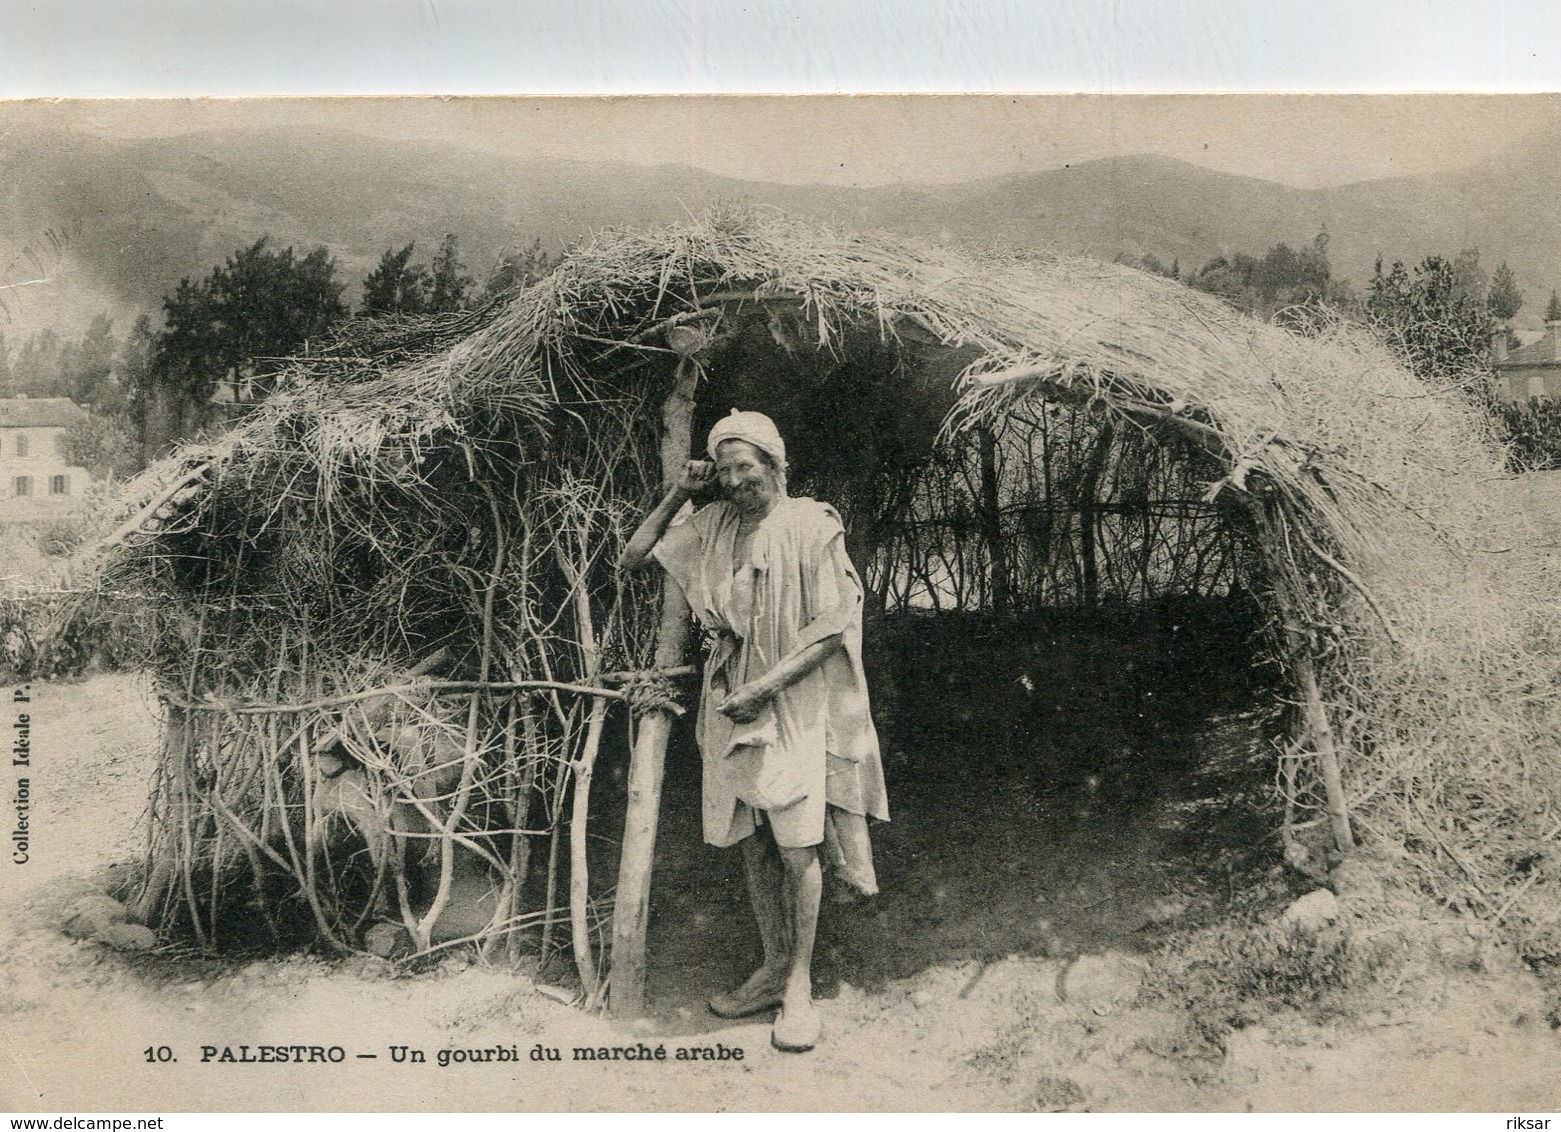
column 756, row 428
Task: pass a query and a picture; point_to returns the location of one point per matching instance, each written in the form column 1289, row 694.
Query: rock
column 473, row 900
column 1358, row 879
column 388, row 941
column 81, row 927
column 127, row 937
column 369, row 968
column 569, row 996
column 120, row 877
column 1306, row 860
column 91, row 915
column 1454, row 946
column 260, row 973
column 1108, row 979
column 921, row 998
column 1311, row 912
column 99, row 904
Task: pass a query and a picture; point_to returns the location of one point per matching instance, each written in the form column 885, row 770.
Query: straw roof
column 1331, row 416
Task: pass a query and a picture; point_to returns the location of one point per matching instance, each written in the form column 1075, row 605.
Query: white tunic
column 814, row 743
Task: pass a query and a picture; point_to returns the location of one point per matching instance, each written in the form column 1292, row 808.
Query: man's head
column 750, row 460
column 748, row 476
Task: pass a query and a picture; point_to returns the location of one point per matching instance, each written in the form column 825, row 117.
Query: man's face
column 745, row 478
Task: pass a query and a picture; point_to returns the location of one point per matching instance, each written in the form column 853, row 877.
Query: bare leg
column 767, row 891
column 798, row 1027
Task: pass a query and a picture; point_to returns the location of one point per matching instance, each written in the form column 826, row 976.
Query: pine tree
column 448, row 282
column 88, row 375
column 133, row 378
column 396, row 286
column 1504, row 299
column 1553, row 308
column 517, row 269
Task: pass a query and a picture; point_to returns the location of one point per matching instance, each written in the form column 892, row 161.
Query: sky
column 1303, row 140
column 76, row 48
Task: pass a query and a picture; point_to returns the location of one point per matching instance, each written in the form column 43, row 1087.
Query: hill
column 140, row 214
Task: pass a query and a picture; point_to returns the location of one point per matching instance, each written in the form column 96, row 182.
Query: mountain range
column 115, row 223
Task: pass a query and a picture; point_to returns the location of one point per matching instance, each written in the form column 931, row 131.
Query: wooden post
column 647, row 761
column 1327, row 751
column 992, row 526
column 1289, row 591
column 1089, row 508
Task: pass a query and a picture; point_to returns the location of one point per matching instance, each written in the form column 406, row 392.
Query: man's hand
column 745, row 704
column 697, row 477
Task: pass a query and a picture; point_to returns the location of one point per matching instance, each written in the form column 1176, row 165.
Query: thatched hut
column 401, row 565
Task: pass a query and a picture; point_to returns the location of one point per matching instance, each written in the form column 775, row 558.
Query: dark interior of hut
column 1065, row 657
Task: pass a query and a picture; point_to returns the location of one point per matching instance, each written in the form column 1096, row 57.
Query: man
column 790, row 754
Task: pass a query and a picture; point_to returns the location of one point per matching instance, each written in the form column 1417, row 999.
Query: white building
column 35, row 480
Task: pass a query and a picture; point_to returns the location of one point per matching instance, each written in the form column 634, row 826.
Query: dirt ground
column 1056, row 826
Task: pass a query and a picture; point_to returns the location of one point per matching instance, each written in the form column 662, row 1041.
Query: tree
column 247, row 315
column 36, row 370
column 1321, row 241
column 1468, row 277
column 1229, row 277
column 396, row 286
column 1504, row 300
column 1443, row 335
column 1553, row 308
column 105, row 446
column 448, row 281
column 1283, row 277
column 133, row 363
column 87, row 368
column 515, row 270
column 237, row 325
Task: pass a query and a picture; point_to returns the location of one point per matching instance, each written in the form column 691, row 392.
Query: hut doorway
column 1115, row 803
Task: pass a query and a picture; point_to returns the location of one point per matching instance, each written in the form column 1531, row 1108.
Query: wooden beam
column 1290, row 594
column 1323, row 743
column 991, row 516
column 647, row 761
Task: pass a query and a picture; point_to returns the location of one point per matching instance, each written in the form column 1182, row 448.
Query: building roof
column 1543, row 351
column 39, row 412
